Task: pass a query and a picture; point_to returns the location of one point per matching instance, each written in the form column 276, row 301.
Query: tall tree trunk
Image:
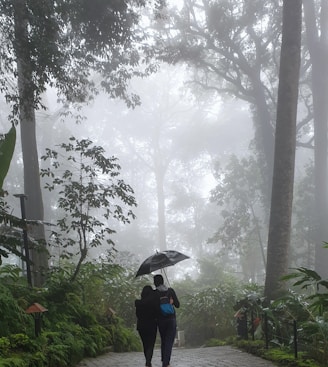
column 318, row 47
column 32, row 186
column 285, row 145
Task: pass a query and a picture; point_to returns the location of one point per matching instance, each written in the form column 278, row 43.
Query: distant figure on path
column 146, row 312
column 167, row 324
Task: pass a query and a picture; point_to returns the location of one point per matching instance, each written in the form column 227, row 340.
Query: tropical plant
column 307, row 306
column 310, row 281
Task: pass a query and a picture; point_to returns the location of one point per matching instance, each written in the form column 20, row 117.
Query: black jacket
column 146, row 311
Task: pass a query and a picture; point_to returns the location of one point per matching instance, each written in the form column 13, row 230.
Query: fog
column 193, row 146
column 192, row 132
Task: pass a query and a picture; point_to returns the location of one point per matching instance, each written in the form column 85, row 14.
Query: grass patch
column 215, row 343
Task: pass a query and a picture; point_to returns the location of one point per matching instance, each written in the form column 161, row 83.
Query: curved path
column 182, row 357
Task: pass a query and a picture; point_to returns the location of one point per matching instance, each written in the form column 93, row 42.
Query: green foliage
column 96, row 339
column 64, row 304
column 310, row 280
column 58, row 355
column 105, row 38
column 19, row 341
column 279, row 356
column 70, row 344
column 119, row 294
column 4, row 346
column 123, row 339
column 256, row 347
column 215, row 343
column 314, row 334
column 10, row 273
column 70, row 328
column 286, row 358
column 55, row 348
column 208, row 313
column 100, row 286
column 14, row 362
column 12, row 318
column 307, row 306
column 292, row 306
column 10, row 231
column 91, row 194
column 239, row 192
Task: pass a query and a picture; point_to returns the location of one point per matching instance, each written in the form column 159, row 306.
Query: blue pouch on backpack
column 166, row 307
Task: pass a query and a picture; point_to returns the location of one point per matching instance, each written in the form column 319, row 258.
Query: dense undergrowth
column 86, row 317
column 71, row 329
column 280, row 356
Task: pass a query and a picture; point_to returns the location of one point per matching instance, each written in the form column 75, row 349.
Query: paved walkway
column 182, row 357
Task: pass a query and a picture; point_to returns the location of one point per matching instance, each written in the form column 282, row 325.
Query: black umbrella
column 160, row 260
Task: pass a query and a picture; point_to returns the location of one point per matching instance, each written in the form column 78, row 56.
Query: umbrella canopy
column 160, row 260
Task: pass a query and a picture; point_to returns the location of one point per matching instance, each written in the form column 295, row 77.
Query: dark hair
column 146, row 291
column 158, row 280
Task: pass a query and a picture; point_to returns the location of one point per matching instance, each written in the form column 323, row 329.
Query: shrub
column 13, row 319
column 4, row 346
column 208, row 313
column 14, row 362
column 122, row 338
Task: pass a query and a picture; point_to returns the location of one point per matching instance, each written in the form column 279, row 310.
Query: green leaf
column 324, row 283
column 7, row 147
column 311, row 274
column 291, row 276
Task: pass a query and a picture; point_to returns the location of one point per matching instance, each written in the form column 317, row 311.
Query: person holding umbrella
column 166, row 322
column 146, row 312
column 167, row 325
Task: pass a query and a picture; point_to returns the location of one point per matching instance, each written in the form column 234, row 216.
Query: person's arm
column 137, row 304
column 176, row 302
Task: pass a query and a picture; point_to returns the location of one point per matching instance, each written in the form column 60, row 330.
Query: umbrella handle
column 167, row 279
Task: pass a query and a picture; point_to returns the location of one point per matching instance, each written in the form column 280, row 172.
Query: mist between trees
column 184, row 96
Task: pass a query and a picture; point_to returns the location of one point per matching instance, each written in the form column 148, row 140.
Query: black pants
column 167, row 329
column 148, row 337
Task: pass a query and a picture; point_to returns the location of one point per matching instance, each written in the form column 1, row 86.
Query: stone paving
column 182, row 357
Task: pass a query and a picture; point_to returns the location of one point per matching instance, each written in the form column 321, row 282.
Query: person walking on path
column 167, row 325
column 146, row 312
